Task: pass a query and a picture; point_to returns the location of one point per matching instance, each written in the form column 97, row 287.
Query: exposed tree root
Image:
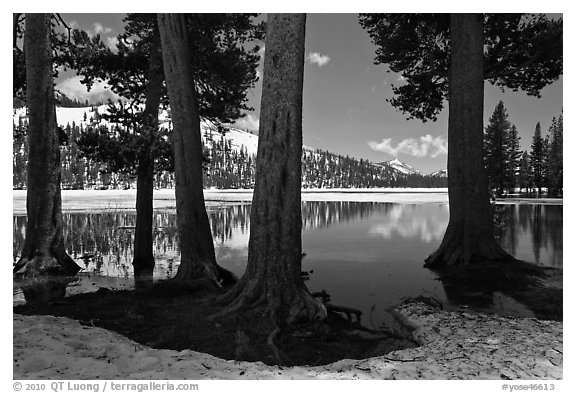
column 269, row 312
column 273, row 347
column 285, row 306
column 334, row 309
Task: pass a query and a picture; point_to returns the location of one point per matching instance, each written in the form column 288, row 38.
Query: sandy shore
column 454, row 345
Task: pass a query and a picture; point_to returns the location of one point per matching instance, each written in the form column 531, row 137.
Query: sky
column 345, row 108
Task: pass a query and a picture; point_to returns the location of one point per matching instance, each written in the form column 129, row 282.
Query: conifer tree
column 445, row 56
column 524, row 173
column 537, row 159
column 43, row 252
column 495, row 149
column 555, row 155
column 512, row 158
column 223, row 71
column 272, row 288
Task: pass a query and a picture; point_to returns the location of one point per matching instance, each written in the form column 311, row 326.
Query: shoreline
column 75, row 201
column 453, row 345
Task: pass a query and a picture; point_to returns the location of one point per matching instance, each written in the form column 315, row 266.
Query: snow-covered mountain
column 235, row 138
column 85, row 116
column 440, row 173
column 401, row 167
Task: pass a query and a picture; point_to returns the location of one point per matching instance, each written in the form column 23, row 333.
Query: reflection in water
column 412, row 222
column 532, row 233
column 366, row 255
column 105, row 241
column 45, row 290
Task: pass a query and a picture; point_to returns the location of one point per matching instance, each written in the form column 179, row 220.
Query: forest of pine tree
column 510, row 170
column 226, row 167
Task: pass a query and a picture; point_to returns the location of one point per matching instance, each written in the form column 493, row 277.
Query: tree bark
column 143, row 262
column 469, row 237
column 273, row 274
column 44, row 252
column 198, row 259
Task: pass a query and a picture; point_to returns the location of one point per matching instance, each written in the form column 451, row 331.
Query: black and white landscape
column 287, row 196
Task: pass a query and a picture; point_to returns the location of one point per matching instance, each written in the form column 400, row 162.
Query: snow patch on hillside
column 440, row 173
column 69, row 116
column 401, row 167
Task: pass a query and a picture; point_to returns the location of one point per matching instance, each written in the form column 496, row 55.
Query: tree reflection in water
column 364, row 253
column 104, row 242
column 532, row 233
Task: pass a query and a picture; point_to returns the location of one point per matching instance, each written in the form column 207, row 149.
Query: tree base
column 456, row 250
column 41, row 265
column 143, row 271
column 284, row 306
column 249, row 304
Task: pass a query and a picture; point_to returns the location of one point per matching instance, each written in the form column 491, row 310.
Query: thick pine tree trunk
column 196, row 245
column 44, row 252
column 143, row 262
column 272, row 280
column 469, row 237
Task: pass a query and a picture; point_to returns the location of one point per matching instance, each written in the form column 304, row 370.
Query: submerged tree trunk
column 143, row 262
column 196, row 245
column 44, row 251
column 469, row 237
column 273, row 274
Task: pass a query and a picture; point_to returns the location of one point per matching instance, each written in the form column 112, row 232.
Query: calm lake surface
column 366, row 255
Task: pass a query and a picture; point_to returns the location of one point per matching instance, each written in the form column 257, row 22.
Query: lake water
column 366, row 255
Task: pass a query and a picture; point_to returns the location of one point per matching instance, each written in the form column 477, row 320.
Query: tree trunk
column 197, row 257
column 273, row 274
column 44, row 251
column 143, row 262
column 469, row 237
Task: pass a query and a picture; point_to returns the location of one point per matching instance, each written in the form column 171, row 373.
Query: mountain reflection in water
column 367, row 255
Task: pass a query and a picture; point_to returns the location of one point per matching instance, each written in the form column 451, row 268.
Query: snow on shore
column 106, row 200
column 455, row 345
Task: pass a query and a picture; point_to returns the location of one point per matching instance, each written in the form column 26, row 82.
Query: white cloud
column 100, row 92
column 99, row 29
column 261, row 51
column 248, row 122
column 421, row 147
column 318, row 58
